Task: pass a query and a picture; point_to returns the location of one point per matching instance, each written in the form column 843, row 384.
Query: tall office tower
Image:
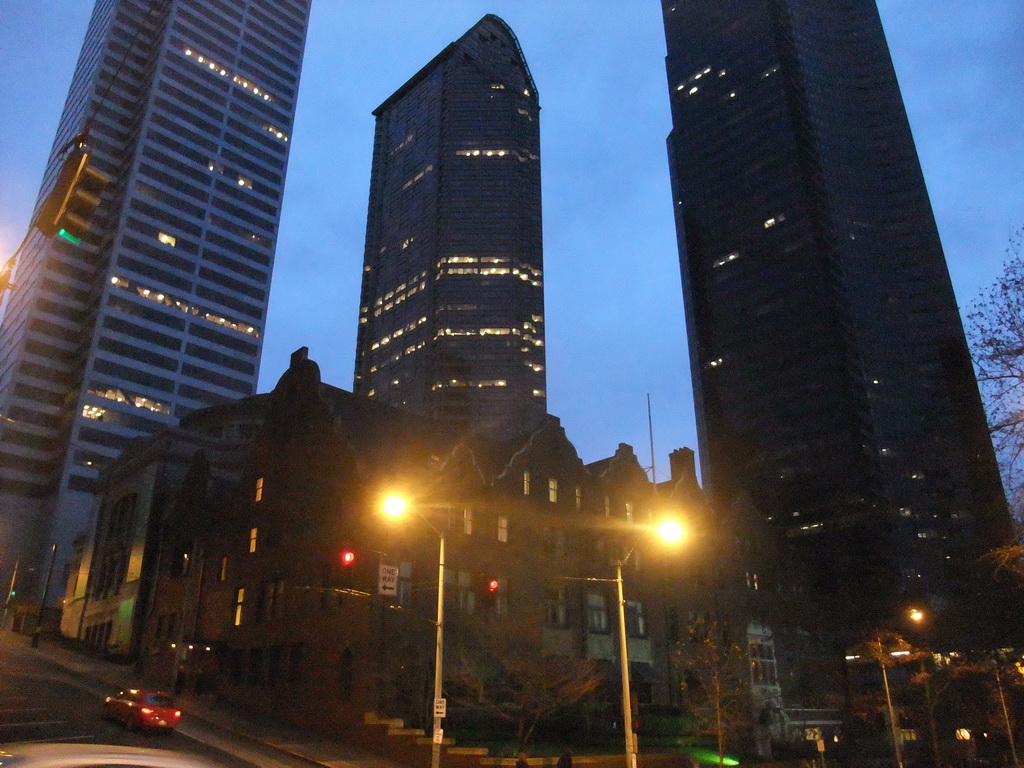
column 832, row 380
column 187, row 105
column 451, row 318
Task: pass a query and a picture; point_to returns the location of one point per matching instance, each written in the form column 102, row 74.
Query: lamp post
column 396, row 507
column 671, row 532
column 892, row 712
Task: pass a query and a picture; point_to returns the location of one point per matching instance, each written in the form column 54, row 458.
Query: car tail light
column 177, row 713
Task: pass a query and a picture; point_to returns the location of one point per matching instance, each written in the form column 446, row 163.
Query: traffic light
column 488, row 591
column 74, row 197
column 347, row 560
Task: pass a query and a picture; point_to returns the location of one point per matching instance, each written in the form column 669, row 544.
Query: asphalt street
column 42, row 702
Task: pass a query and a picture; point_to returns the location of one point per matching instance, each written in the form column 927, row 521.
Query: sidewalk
column 287, row 739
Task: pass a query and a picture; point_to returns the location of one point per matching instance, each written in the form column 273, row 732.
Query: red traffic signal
column 348, row 557
column 492, row 585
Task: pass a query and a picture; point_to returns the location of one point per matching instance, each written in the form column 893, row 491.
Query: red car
column 139, row 709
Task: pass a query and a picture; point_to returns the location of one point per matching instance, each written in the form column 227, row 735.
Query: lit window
column 579, row 497
column 223, row 72
column 502, row 528
column 629, row 511
column 607, row 506
column 185, row 307
column 239, row 601
column 166, row 239
column 726, row 259
column 252, row 539
column 526, row 483
column 467, row 521
column 259, row 490
column 277, row 132
column 552, row 489
column 93, row 412
column 224, row 569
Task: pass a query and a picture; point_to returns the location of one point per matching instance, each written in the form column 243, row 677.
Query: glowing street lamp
column 670, row 532
column 396, row 507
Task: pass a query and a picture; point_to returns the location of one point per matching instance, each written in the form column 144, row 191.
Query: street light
column 892, row 713
column 671, row 532
column 395, row 507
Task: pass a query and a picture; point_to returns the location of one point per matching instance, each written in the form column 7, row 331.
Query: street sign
column 439, row 736
column 387, row 583
column 440, row 707
column 821, row 745
column 812, row 734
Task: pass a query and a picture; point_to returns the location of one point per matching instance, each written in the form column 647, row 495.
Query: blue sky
column 615, row 328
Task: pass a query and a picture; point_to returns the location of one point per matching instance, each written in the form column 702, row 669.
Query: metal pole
column 180, row 656
column 892, row 713
column 435, row 750
column 10, row 592
column 42, row 600
column 627, row 709
column 1006, row 718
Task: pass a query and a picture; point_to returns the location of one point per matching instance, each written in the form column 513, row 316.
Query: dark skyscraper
column 832, row 381
column 187, row 105
column 451, row 318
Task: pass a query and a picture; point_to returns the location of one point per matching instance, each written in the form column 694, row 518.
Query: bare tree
column 995, row 331
column 716, row 680
column 502, row 670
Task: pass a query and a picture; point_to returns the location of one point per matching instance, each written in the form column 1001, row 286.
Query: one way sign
column 387, row 584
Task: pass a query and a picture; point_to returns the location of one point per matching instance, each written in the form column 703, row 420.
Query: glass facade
column 451, row 319
column 187, row 105
column 832, row 381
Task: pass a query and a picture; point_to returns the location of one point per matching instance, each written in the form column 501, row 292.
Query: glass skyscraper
column 832, row 380
column 451, row 318
column 188, row 106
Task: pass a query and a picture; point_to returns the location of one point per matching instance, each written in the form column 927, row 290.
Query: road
column 43, row 702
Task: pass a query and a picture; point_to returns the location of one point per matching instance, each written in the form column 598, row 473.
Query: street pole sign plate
column 439, row 736
column 812, row 734
column 440, row 707
column 387, row 584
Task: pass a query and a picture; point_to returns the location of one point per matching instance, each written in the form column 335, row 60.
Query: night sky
column 614, row 315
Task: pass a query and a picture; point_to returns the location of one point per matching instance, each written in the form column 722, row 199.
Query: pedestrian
column 565, row 761
column 521, row 760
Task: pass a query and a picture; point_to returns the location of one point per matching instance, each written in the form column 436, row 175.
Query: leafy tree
column 716, row 681
column 503, row 671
